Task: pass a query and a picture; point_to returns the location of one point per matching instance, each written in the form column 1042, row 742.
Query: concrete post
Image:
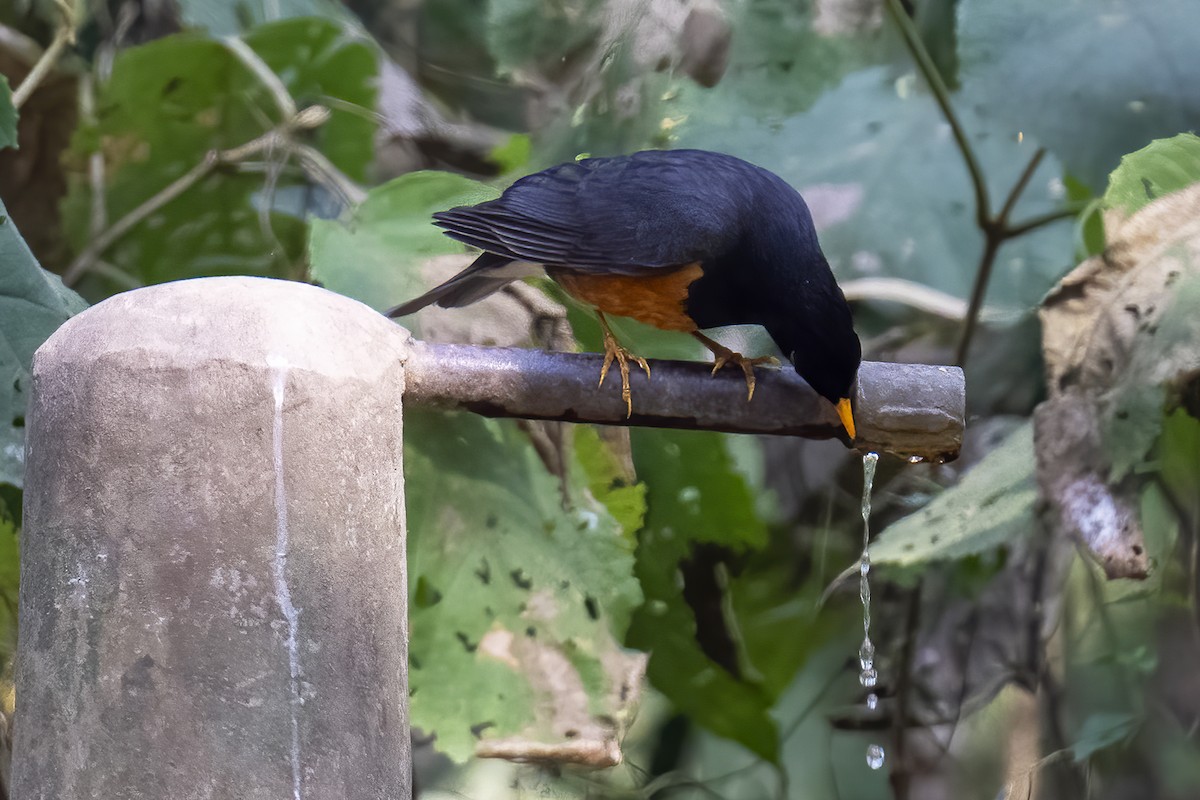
column 213, row 599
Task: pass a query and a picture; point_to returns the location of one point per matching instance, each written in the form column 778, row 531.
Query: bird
column 684, row 240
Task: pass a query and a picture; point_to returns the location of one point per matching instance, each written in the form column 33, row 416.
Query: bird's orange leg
column 613, row 351
column 722, row 355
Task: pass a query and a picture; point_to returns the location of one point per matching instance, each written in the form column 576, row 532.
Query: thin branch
column 319, row 168
column 983, row 274
column 1041, row 220
column 266, row 76
column 98, row 218
column 995, row 231
column 84, row 261
column 63, row 36
column 1019, row 188
column 901, row 773
column 933, row 78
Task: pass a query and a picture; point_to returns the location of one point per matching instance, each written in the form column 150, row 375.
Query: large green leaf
column 1091, row 80
column 991, row 506
column 1159, row 168
column 375, row 254
column 170, row 102
column 497, row 565
column 493, row 553
column 33, row 303
column 696, row 498
column 8, row 116
column 875, row 160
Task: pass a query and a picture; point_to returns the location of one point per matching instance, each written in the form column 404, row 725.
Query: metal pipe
column 911, row 410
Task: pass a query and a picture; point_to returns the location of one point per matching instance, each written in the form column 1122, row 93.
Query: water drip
column 868, row 676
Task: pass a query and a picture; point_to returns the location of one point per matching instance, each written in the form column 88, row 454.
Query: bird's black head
column 806, row 313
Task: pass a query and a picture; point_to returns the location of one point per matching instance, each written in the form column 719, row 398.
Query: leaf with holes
column 713, row 639
column 518, row 604
column 1159, row 168
column 990, row 507
column 501, row 570
column 172, row 101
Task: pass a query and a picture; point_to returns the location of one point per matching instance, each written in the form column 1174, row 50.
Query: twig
column 84, row 261
column 995, row 231
column 63, row 36
column 901, row 773
column 1041, row 220
column 314, row 163
column 98, row 218
column 244, row 53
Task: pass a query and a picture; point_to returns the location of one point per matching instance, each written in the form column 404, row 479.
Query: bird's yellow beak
column 843, row 409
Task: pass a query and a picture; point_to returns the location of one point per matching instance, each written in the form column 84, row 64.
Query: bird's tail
column 486, row 274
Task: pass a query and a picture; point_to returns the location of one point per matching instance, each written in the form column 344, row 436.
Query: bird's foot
column 613, row 351
column 722, row 355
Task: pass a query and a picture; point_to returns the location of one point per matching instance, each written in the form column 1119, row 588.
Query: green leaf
column 172, row 101
column 33, row 303
column 375, row 254
column 532, row 32
column 493, row 553
column 8, row 116
column 514, row 154
column 876, row 144
column 1163, row 353
column 1092, row 81
column 696, row 497
column 607, row 481
column 1101, row 730
column 227, row 19
column 1159, row 168
column 991, row 506
column 497, row 566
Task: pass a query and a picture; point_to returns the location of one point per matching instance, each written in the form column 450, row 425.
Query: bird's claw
column 613, row 351
column 724, row 356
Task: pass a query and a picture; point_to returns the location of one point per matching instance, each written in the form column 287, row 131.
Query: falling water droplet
column 866, row 652
column 868, row 677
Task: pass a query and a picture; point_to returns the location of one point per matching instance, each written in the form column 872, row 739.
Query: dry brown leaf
column 1099, row 325
column 1091, row 319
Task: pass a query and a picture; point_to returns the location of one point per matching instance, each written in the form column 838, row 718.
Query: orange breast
column 656, row 299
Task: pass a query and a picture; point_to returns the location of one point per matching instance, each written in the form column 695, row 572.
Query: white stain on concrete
column 283, row 595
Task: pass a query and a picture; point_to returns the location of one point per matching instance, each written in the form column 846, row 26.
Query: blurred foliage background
column 1036, row 608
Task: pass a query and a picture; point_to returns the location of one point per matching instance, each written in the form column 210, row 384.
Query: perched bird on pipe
column 680, row 239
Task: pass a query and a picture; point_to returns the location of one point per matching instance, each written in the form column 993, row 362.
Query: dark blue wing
column 628, row 215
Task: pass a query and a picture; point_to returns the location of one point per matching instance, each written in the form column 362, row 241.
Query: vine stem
column 63, row 36
column 318, row 168
column 933, row 78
